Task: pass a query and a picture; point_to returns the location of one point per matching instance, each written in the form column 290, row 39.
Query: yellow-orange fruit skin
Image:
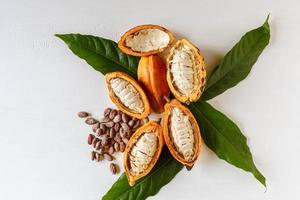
column 151, row 126
column 200, row 75
column 152, row 78
column 129, row 51
column 168, row 140
column 118, row 103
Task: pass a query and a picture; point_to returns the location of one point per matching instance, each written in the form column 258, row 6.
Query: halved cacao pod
column 127, row 95
column 152, row 78
column 186, row 73
column 145, row 40
column 143, row 151
column 181, row 133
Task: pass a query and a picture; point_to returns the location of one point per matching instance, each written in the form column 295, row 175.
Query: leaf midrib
column 228, row 141
column 146, row 178
column 104, row 56
column 225, row 74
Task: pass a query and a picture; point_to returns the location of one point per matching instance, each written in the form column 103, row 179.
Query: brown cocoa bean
column 109, row 124
column 95, row 127
column 117, row 127
column 112, row 133
column 125, row 118
column 90, row 121
column 106, row 112
column 114, row 168
column 90, row 139
column 116, row 147
column 112, row 114
column 83, row 114
column 117, row 118
column 125, row 127
column 117, row 138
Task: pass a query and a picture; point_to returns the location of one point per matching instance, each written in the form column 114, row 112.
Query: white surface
column 43, row 148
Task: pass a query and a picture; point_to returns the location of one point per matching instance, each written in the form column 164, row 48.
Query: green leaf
column 223, row 137
column 238, row 62
column 163, row 172
column 102, row 54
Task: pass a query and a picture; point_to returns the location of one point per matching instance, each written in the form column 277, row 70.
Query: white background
column 43, row 148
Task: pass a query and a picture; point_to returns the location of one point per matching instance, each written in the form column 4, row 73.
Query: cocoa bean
column 90, row 121
column 125, row 118
column 117, row 118
column 114, row 168
column 109, row 124
column 106, row 112
column 95, row 127
column 112, row 114
column 90, row 139
column 83, row 114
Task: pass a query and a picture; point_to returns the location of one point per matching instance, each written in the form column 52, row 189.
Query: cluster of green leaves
column 220, row 133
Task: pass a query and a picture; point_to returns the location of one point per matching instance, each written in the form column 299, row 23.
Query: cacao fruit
column 152, row 78
column 186, row 73
column 145, row 40
column 143, row 151
column 127, row 94
column 181, row 133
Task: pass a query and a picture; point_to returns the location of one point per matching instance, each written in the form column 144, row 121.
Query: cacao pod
column 143, row 151
column 145, row 40
column 181, row 133
column 186, row 73
column 152, row 78
column 127, row 94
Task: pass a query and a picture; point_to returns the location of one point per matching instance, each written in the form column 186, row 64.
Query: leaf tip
column 266, row 23
column 258, row 175
column 58, row 35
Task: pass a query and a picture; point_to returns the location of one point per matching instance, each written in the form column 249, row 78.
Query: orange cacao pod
column 181, row 133
column 152, row 78
column 127, row 94
column 143, row 151
column 145, row 40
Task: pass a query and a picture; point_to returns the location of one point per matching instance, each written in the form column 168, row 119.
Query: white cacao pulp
column 182, row 134
column 142, row 153
column 127, row 94
column 147, row 40
column 183, row 70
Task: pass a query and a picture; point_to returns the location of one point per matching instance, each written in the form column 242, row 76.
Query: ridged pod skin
column 109, row 77
column 150, row 127
column 152, row 78
column 198, row 68
column 168, row 36
column 169, row 139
